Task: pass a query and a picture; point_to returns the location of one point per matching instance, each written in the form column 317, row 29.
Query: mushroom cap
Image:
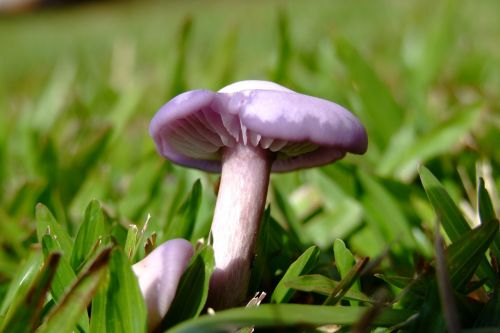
column 159, row 274
column 194, row 127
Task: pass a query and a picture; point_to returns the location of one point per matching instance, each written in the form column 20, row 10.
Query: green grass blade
column 373, row 92
column 183, row 225
column 284, row 48
column 303, row 265
column 453, row 222
column 396, row 281
column 465, row 254
column 125, row 310
column 25, row 315
column 192, row 291
column 81, row 162
column 52, row 103
column 383, row 211
column 322, row 285
column 47, row 224
column 261, row 261
column 283, row 315
column 345, row 261
column 445, row 287
column 92, row 230
column 178, row 84
column 22, row 280
column 346, row 283
column 131, row 242
column 427, row 49
column 98, row 311
column 288, row 213
column 402, row 161
column 67, row 313
column 64, row 277
column 487, row 213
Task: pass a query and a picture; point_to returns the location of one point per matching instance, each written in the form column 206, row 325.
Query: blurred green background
column 79, row 84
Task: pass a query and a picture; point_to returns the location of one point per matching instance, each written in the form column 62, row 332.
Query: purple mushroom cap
column 159, row 274
column 303, row 131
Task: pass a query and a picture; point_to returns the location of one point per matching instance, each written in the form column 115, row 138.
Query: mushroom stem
column 238, row 212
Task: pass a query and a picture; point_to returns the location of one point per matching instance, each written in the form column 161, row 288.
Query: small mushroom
column 159, row 274
column 245, row 131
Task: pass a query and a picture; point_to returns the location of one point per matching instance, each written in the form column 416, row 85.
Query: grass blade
column 178, row 84
column 70, row 309
column 453, row 222
column 25, row 315
column 487, row 213
column 91, row 231
column 302, row 265
column 183, row 224
column 64, row 277
column 346, row 283
column 320, row 284
column 284, row 54
column 121, row 304
column 47, row 224
column 22, row 280
column 285, row 315
column 445, row 288
column 384, row 212
column 289, row 215
column 466, row 254
column 345, row 261
column 372, row 91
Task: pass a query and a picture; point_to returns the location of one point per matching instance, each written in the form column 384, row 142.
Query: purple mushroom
column 159, row 274
column 245, row 131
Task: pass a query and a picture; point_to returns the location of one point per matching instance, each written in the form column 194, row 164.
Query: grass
column 79, row 175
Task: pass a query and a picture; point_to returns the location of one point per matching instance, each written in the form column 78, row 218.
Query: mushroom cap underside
column 194, row 128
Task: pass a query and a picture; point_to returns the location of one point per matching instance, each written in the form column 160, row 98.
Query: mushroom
column 159, row 274
column 245, row 131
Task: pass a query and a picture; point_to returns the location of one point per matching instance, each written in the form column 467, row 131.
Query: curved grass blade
column 286, row 315
column 302, row 265
column 91, row 230
column 465, row 254
column 64, row 277
column 65, row 316
column 47, row 224
column 344, row 261
column 178, row 84
column 183, row 224
column 487, row 213
column 24, row 316
column 346, row 283
column 287, row 211
column 322, row 285
column 22, row 280
column 119, row 306
column 384, row 212
column 453, row 222
column 447, row 211
column 284, row 48
column 445, row 288
column 372, row 91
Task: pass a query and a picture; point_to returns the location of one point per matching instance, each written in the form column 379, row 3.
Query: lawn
column 403, row 238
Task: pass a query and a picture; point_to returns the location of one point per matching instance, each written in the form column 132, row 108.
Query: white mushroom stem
column 237, row 216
